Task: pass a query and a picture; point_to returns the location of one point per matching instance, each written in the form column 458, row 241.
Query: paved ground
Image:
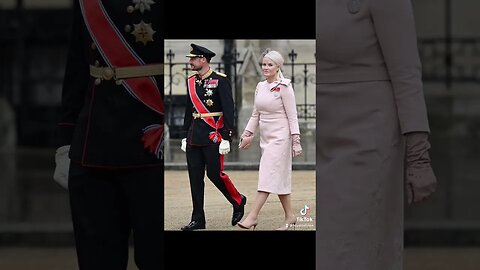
column 178, row 203
column 442, row 258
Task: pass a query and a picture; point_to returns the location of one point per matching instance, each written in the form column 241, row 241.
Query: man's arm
column 75, row 81
column 228, row 107
column 187, row 119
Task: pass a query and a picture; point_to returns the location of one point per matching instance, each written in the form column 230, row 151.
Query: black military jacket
column 215, row 92
column 102, row 122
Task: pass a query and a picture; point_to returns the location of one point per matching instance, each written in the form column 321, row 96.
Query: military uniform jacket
column 215, row 93
column 101, row 120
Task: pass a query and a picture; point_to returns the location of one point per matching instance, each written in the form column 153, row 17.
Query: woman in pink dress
column 275, row 114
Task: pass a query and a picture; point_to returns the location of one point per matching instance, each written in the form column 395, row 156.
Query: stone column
column 249, row 75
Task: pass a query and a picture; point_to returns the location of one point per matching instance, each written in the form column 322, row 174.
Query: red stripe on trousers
column 228, row 183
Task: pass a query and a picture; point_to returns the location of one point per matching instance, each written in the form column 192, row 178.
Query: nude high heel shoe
column 247, row 227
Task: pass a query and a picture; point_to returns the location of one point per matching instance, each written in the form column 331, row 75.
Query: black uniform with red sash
column 211, row 94
column 112, row 116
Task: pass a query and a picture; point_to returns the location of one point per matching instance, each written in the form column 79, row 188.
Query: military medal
column 275, row 90
column 143, row 5
column 209, row 92
column 143, row 32
column 198, row 80
column 212, row 83
column 209, row 102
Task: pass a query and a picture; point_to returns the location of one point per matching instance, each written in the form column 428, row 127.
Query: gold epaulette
column 221, row 74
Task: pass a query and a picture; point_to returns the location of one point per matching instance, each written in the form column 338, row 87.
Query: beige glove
column 245, row 140
column 62, row 165
column 224, row 147
column 420, row 179
column 184, row 145
column 296, row 147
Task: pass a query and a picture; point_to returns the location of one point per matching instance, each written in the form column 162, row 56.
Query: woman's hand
column 420, row 182
column 296, row 147
column 245, row 140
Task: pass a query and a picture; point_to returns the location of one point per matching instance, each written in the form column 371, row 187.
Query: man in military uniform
column 208, row 127
column 110, row 133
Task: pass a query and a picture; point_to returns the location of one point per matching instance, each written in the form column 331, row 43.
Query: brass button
column 93, row 46
column 130, row 9
column 97, row 63
column 119, row 82
column 128, row 28
column 98, row 81
column 107, row 73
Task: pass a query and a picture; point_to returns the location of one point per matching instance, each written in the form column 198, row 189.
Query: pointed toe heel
column 253, row 225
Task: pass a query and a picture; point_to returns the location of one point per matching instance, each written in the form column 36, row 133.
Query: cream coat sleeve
column 254, row 118
column 288, row 99
column 395, row 29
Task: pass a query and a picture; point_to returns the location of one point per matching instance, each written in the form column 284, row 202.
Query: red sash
column 215, row 136
column 118, row 53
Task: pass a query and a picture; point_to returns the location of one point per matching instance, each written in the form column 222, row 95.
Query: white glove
column 224, row 147
column 62, row 165
column 184, row 145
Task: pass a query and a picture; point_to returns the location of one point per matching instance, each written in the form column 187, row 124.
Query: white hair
column 277, row 58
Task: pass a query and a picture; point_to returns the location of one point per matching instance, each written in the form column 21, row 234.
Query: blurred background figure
column 109, row 135
column 372, row 134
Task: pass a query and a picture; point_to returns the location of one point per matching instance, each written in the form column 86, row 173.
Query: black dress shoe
column 239, row 211
column 194, row 225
